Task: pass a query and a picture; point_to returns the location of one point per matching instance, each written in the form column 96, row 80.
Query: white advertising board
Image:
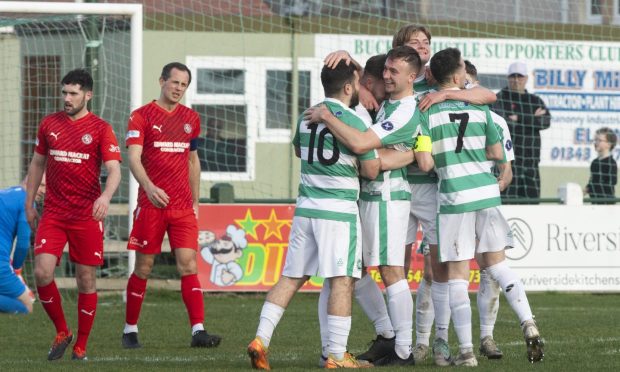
column 579, row 81
column 565, row 248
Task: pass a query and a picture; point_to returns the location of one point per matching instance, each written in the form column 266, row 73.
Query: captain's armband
column 422, row 144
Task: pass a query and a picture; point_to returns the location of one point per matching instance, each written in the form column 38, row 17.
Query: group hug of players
column 422, row 160
column 431, row 154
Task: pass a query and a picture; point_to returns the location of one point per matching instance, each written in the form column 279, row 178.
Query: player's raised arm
column 355, row 140
column 157, row 196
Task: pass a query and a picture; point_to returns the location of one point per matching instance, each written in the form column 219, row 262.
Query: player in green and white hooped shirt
column 384, row 204
column 424, row 205
column 457, row 139
column 325, row 237
column 366, row 291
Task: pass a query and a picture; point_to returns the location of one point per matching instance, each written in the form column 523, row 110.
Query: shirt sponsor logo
column 387, row 125
column 171, row 146
column 187, row 128
column 87, row 139
column 114, row 148
column 132, row 134
column 69, row 156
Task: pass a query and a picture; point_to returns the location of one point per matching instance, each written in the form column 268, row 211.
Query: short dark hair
column 471, row 69
column 610, row 136
column 407, row 54
column 80, row 77
column 405, row 33
column 334, row 79
column 444, row 64
column 166, row 71
column 375, row 65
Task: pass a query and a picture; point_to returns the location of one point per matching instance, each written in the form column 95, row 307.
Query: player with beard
column 70, row 147
column 384, row 202
column 325, row 237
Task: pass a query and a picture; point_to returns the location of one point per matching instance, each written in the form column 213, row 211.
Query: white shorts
column 423, row 212
column 384, row 227
column 324, row 248
column 458, row 234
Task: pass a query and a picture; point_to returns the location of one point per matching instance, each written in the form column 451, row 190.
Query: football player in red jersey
column 70, row 147
column 162, row 142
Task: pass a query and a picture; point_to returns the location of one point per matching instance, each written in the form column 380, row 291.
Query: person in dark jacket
column 603, row 170
column 526, row 115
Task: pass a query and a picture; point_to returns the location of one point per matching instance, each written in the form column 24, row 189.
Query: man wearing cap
column 526, row 115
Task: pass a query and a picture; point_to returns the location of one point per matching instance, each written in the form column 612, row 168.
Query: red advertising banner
column 242, row 248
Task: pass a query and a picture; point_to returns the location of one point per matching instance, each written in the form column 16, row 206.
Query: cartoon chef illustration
column 222, row 254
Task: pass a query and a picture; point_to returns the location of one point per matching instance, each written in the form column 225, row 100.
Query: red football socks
column 192, row 296
column 52, row 303
column 87, row 308
column 136, row 289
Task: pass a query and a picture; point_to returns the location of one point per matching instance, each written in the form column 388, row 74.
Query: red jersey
column 74, row 151
column 165, row 139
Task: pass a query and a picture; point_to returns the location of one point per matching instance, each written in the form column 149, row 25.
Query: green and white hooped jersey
column 504, row 133
column 460, row 133
column 329, row 184
column 395, row 128
column 414, row 174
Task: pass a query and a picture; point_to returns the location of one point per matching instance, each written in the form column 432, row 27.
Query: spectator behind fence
column 526, row 115
column 603, row 170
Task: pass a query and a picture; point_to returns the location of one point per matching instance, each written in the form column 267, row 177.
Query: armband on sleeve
column 423, row 144
column 193, row 144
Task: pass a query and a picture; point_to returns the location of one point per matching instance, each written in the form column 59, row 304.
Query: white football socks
column 461, row 313
column 425, row 313
column 339, row 328
column 513, row 289
column 400, row 307
column 270, row 316
column 488, row 303
column 369, row 296
column 441, row 304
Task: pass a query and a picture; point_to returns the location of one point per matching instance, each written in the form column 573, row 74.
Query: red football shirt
column 165, row 138
column 74, row 151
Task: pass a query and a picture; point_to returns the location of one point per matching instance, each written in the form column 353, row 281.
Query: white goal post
column 132, row 10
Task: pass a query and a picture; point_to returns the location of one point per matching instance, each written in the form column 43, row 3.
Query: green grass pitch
column 581, row 331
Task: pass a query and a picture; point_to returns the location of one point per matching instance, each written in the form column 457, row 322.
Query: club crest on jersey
column 387, row 125
column 87, row 139
column 187, row 128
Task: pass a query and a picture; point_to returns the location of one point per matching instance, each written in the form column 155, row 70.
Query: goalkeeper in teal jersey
column 15, row 296
column 457, row 139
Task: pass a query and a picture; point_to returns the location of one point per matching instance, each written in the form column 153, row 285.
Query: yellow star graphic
column 273, row 225
column 248, row 224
